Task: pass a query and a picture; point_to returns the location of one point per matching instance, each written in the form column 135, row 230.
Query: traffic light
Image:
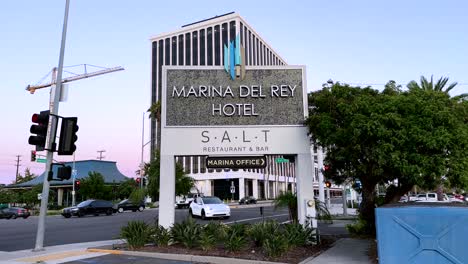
column 64, row 172
column 42, row 121
column 33, row 155
column 77, row 185
column 327, row 184
column 68, row 136
column 138, row 181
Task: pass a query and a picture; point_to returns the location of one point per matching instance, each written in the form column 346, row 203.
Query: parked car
column 209, row 206
column 248, row 200
column 14, row 212
column 431, row 197
column 89, row 207
column 187, row 200
column 127, row 204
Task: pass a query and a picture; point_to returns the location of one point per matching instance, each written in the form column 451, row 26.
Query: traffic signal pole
column 51, row 133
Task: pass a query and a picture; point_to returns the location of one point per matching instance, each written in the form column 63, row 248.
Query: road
column 20, row 234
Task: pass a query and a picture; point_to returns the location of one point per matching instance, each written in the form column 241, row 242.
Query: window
column 431, row 195
column 209, row 45
column 195, row 48
column 181, row 50
column 167, row 50
column 174, row 51
column 187, row 164
column 202, row 47
column 202, row 164
column 154, row 70
column 232, row 31
column 250, row 48
column 187, row 49
column 224, row 37
column 242, row 34
column 160, row 63
column 217, row 46
column 195, row 164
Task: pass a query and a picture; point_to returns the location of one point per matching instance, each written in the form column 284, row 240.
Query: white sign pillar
column 167, row 190
column 241, row 188
column 305, row 186
column 321, row 182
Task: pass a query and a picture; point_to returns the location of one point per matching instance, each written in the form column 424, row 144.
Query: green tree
column 413, row 137
column 27, row 176
column 124, row 189
column 93, row 187
column 137, row 196
column 183, row 183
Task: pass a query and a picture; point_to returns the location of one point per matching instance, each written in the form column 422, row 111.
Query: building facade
column 202, row 44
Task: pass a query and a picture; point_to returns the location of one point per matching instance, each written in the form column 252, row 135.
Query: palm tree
column 439, row 86
column 289, row 199
column 155, row 111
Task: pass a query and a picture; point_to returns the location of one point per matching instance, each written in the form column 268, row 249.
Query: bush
column 359, row 228
column 137, row 233
column 216, row 229
column 259, row 232
column 207, row 240
column 235, row 237
column 160, row 236
column 276, row 244
column 297, row 235
column 186, row 233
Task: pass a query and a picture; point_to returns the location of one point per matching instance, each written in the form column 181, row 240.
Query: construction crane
column 33, row 88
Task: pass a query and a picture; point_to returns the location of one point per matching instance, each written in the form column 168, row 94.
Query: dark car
column 248, row 200
column 89, row 207
column 127, row 205
column 14, row 212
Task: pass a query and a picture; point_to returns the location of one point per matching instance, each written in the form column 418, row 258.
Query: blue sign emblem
column 234, row 59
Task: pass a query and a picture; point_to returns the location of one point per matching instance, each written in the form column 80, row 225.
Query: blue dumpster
column 416, row 233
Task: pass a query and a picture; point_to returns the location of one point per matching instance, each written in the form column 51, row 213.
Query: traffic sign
column 281, row 160
column 41, row 160
column 237, row 162
column 233, row 189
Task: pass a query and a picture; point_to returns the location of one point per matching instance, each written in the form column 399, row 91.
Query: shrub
column 259, row 232
column 275, row 245
column 216, row 229
column 359, row 228
column 186, row 233
column 235, row 237
column 160, row 236
column 136, row 233
column 207, row 240
column 297, row 235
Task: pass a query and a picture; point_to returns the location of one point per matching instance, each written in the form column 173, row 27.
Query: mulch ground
column 293, row 255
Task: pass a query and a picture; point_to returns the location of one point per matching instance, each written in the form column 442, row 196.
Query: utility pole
column 51, row 134
column 100, row 154
column 17, row 167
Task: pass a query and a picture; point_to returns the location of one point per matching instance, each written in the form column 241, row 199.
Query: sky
column 355, row 42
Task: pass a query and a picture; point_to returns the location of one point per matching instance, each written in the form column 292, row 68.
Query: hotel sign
column 243, row 162
column 206, row 112
column 210, row 98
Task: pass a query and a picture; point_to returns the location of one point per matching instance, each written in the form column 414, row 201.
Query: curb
column 181, row 257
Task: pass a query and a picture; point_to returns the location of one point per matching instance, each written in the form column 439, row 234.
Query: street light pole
column 51, row 133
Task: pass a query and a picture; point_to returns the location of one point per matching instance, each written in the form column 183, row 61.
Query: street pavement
column 20, row 234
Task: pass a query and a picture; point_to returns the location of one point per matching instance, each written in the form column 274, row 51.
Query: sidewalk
column 345, row 251
column 55, row 254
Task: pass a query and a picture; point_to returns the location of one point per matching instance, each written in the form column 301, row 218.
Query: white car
column 209, row 206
